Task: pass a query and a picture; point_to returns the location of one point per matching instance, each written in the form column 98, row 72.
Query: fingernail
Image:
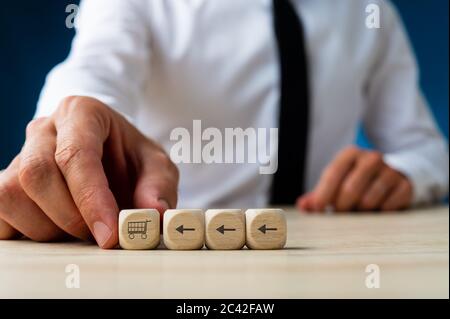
column 164, row 204
column 102, row 233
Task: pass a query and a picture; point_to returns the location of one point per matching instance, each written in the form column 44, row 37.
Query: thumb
column 157, row 181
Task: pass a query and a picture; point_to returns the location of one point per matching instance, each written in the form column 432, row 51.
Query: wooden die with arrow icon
column 184, row 229
column 225, row 229
column 265, row 228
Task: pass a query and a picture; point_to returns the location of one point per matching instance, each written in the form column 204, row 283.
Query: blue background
column 33, row 38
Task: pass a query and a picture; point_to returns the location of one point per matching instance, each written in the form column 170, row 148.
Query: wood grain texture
column 265, row 228
column 139, row 228
column 225, row 229
column 184, row 229
column 325, row 257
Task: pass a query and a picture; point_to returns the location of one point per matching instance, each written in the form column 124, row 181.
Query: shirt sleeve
column 109, row 58
column 398, row 121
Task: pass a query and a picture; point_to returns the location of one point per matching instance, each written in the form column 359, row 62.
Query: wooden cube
column 184, row 229
column 139, row 228
column 225, row 229
column 265, row 228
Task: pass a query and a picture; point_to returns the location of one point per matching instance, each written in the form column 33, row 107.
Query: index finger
column 333, row 176
column 80, row 138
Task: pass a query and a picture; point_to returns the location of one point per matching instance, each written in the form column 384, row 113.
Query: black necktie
column 288, row 181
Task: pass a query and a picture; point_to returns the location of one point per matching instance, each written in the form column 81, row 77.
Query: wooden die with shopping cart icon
column 139, row 228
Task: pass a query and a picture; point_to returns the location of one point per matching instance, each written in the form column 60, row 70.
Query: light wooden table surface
column 326, row 256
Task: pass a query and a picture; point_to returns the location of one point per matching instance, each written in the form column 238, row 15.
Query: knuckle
column 345, row 199
column 34, row 124
column 348, row 189
column 91, row 104
column 347, row 154
column 95, row 112
column 162, row 158
column 379, row 188
column 34, row 169
column 371, row 161
column 69, row 100
column 9, row 189
column 175, row 172
column 66, row 155
column 390, row 173
column 85, row 114
column 407, row 192
column 70, row 104
column 330, row 176
column 85, row 196
column 351, row 149
column 161, row 187
column 166, row 163
column 405, row 184
column 375, row 157
column 66, row 106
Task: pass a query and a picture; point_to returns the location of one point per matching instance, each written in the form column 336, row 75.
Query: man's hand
column 76, row 169
column 358, row 180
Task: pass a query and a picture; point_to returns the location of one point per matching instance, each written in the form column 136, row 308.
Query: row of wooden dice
column 188, row 229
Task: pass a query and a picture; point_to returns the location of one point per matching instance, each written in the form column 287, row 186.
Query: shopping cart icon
column 138, row 228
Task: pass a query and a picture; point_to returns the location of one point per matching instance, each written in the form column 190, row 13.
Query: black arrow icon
column 263, row 229
column 181, row 229
column 222, row 229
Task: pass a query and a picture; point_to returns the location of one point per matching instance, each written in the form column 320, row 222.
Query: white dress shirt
column 165, row 63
